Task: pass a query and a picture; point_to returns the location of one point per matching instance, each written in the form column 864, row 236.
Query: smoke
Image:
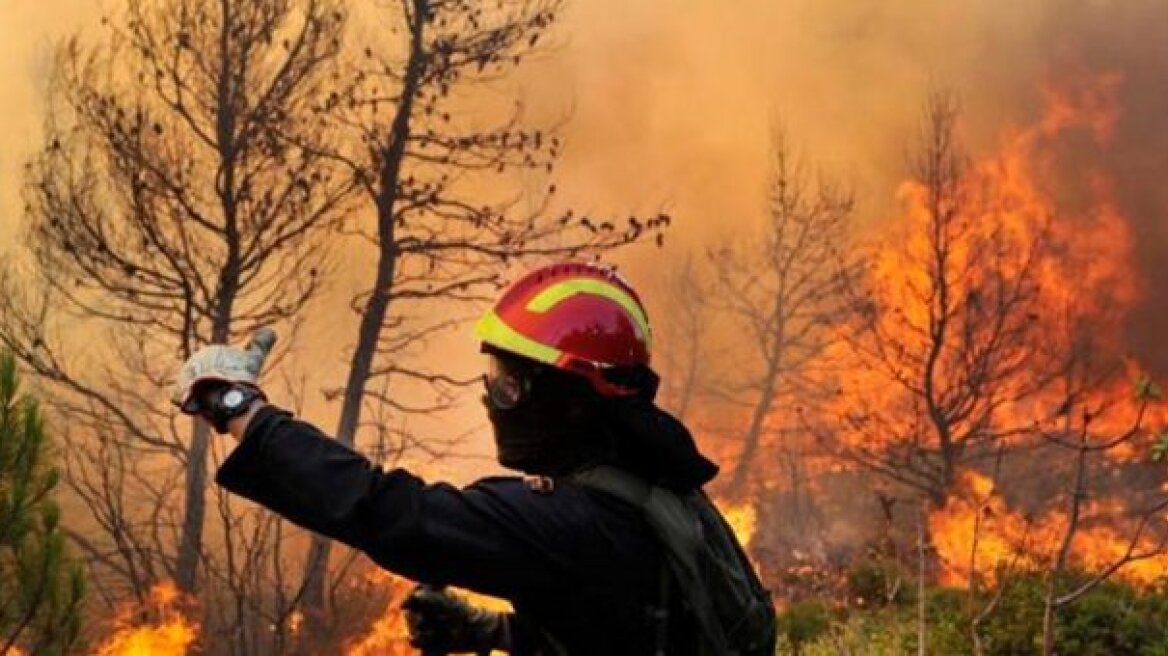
column 28, row 31
column 670, row 105
column 1126, row 37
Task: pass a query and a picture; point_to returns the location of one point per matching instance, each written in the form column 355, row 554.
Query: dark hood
column 653, row 444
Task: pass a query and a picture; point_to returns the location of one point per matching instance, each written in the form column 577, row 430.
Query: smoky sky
column 673, row 103
column 1129, row 38
column 669, row 105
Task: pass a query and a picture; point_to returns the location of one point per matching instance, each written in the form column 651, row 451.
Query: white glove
column 219, row 362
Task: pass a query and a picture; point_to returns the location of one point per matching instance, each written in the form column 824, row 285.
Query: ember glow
column 742, row 518
column 976, row 529
column 1039, row 211
column 159, row 628
column 389, row 634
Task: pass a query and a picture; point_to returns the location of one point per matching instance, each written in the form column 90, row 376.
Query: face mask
column 520, row 438
column 545, row 422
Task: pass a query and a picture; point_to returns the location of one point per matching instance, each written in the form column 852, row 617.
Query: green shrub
column 870, row 634
column 874, row 583
column 803, row 622
column 1114, row 618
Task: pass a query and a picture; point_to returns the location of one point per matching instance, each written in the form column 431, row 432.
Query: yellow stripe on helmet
column 493, row 330
column 553, row 295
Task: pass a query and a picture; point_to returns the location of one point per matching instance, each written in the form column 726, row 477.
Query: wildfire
column 1014, row 218
column 1042, row 206
column 976, row 533
column 389, row 636
column 742, row 518
column 169, row 634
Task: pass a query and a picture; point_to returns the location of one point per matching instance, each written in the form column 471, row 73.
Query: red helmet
column 579, row 317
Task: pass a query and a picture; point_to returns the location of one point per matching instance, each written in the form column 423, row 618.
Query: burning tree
column 1096, row 421
column 990, row 340
column 946, row 333
column 41, row 590
column 439, row 218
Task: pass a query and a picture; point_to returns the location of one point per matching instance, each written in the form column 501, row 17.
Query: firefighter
column 568, row 387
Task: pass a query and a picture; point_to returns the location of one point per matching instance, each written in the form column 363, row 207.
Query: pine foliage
column 41, row 588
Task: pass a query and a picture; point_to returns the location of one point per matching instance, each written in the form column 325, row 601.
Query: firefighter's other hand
column 443, row 622
column 218, row 363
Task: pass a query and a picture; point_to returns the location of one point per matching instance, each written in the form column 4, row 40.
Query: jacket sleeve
column 473, row 537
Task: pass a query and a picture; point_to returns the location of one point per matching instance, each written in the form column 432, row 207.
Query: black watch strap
column 229, row 402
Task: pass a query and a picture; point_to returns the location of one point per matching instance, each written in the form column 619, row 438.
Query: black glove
column 442, row 622
column 218, row 402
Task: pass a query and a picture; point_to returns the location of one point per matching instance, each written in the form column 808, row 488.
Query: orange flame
column 295, row 621
column 389, row 635
column 742, row 518
column 1082, row 272
column 976, row 533
column 1084, row 276
column 172, row 634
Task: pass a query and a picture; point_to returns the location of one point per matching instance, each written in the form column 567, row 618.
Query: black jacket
column 577, row 564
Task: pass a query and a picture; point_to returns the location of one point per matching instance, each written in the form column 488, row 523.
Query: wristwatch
column 229, row 402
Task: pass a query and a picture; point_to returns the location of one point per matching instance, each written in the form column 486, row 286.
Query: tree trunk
column 194, row 508
column 922, row 567
column 1048, row 625
column 1078, row 494
column 377, row 306
column 757, row 418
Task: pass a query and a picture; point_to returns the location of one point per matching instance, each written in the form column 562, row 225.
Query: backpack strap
column 635, row 492
column 616, row 482
column 661, row 612
column 679, row 532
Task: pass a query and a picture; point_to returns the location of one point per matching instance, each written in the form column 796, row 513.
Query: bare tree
column 980, row 606
column 922, row 576
column 784, row 288
column 180, row 199
column 1083, row 426
column 947, row 328
column 683, row 342
column 441, row 230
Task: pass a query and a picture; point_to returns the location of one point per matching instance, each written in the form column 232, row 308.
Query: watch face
column 232, row 398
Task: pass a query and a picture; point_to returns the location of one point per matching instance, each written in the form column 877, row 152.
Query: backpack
column 719, row 587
